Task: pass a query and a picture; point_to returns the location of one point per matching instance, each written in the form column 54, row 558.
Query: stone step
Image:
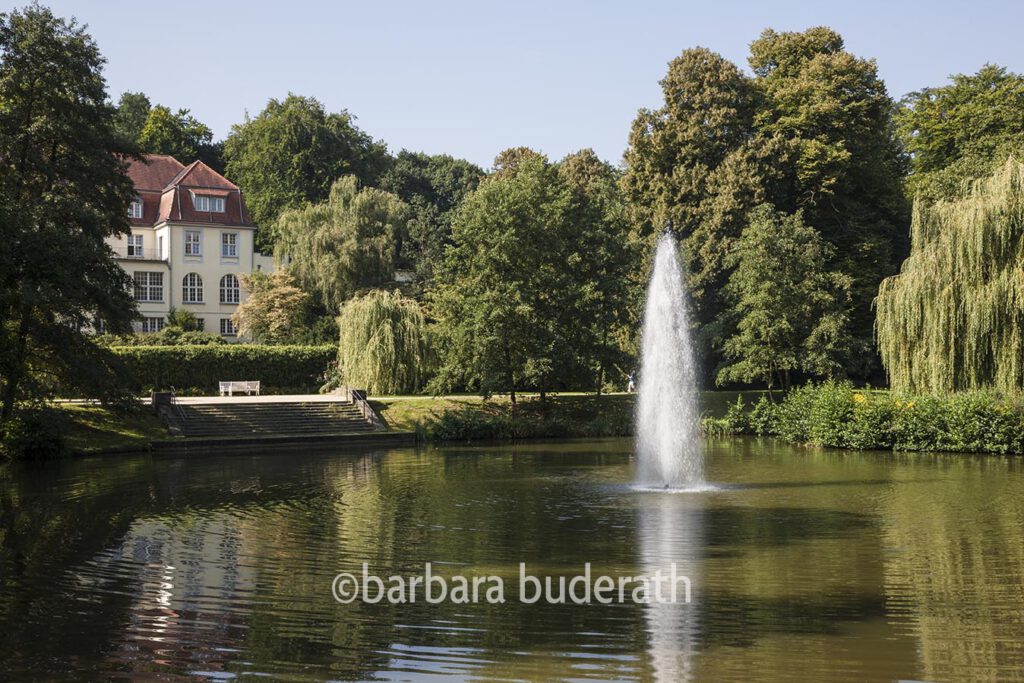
column 244, row 419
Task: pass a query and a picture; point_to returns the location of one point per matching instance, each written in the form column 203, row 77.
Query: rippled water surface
column 804, row 566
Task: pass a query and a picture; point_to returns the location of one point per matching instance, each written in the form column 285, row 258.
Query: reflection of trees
column 955, row 570
column 198, row 565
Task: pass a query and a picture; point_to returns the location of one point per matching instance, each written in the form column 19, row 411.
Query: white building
column 191, row 238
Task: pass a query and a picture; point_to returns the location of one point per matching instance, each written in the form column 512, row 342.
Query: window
column 152, row 324
column 229, row 244
column 229, row 289
column 134, row 246
column 206, row 203
column 192, row 289
column 200, row 324
column 148, row 286
column 135, row 208
column 227, row 327
column 160, row 247
column 193, row 243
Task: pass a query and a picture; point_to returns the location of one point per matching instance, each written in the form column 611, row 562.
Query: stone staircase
column 216, row 420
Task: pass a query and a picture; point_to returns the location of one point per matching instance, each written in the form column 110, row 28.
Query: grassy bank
column 80, row 428
column 88, row 428
column 565, row 415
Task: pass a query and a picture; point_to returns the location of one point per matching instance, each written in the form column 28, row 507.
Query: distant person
column 631, row 385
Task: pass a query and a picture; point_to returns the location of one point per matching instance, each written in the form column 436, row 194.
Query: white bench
column 230, row 388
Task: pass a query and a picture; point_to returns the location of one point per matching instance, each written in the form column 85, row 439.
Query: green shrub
column 714, row 427
column 34, row 434
column 193, row 369
column 871, row 425
column 831, row 413
column 793, row 421
column 764, row 417
column 469, row 424
column 735, row 417
column 837, row 415
column 918, row 424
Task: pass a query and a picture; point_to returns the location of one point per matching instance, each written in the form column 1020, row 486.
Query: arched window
column 192, row 289
column 229, row 289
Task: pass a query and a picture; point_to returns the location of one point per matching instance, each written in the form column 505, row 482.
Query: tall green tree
column 602, row 264
column 181, row 136
column 383, row 347
column 830, row 117
column 63, row 190
column 953, row 319
column 790, row 312
column 693, row 165
column 275, row 309
column 498, row 295
column 433, row 186
column 812, row 131
column 291, row 154
column 342, row 245
column 130, row 117
column 158, row 130
column 962, row 131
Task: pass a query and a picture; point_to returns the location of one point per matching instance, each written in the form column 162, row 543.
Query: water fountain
column 668, row 440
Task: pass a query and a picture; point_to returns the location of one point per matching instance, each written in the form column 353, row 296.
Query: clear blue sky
column 471, row 78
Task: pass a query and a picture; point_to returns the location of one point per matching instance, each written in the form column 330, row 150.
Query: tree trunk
column 16, row 369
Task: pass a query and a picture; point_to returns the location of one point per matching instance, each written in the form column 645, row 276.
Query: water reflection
column 810, row 566
column 670, row 532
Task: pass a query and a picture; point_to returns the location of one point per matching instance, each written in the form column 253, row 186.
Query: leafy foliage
column 158, row 130
column 534, row 286
column 198, row 369
column 953, row 319
column 292, row 153
column 791, row 312
column 383, row 347
column 433, row 186
column 63, row 190
column 812, row 131
column 838, row 415
column 961, row 131
column 345, row 244
column 275, row 310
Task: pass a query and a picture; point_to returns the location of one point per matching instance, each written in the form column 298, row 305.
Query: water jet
column 668, row 440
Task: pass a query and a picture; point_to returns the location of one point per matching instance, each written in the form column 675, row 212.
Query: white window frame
column 229, row 245
column 228, row 328
column 193, row 243
column 134, row 246
column 152, row 324
column 192, row 289
column 230, row 291
column 149, row 286
column 135, row 208
column 208, row 204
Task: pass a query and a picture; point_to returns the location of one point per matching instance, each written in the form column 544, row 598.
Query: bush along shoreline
column 838, row 415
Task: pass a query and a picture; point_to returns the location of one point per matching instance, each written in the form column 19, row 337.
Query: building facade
column 191, row 241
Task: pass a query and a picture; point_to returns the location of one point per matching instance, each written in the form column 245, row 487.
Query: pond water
column 804, row 565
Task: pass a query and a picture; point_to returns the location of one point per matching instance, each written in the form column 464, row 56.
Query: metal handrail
column 357, row 397
column 138, row 254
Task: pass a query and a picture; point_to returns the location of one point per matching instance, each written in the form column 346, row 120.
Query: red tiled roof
column 153, row 172
column 166, row 187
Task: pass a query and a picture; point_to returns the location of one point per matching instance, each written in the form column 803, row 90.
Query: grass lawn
column 88, row 427
column 406, row 412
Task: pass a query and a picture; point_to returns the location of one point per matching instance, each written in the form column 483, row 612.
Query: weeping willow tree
column 383, row 343
column 953, row 319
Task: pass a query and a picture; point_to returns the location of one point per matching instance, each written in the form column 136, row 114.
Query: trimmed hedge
column 198, row 369
column 838, row 415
